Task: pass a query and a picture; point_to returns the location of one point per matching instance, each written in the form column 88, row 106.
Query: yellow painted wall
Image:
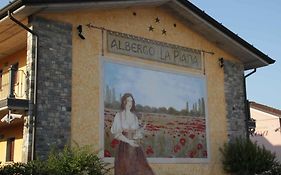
column 86, row 75
column 5, row 63
column 13, row 131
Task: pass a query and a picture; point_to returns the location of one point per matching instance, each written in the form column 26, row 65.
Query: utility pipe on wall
column 247, row 107
column 33, row 101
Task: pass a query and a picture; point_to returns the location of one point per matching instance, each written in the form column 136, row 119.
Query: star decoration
column 157, row 20
column 164, row 32
column 150, row 28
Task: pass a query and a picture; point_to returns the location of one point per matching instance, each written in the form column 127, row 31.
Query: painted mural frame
column 104, row 144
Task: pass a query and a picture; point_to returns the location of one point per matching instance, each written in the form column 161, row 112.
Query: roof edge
column 265, row 108
column 263, row 57
column 13, row 6
column 226, row 31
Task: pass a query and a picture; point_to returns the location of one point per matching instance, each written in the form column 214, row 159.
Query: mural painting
column 167, row 109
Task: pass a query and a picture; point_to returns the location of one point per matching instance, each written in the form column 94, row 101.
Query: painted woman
column 130, row 158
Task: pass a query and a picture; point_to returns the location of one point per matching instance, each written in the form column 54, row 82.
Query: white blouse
column 124, row 121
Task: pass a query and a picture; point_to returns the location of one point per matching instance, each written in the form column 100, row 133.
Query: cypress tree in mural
column 200, row 107
column 110, row 98
column 195, row 109
column 107, row 98
column 203, row 106
column 113, row 96
column 187, row 107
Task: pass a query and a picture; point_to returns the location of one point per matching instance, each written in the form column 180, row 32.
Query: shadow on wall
column 261, row 140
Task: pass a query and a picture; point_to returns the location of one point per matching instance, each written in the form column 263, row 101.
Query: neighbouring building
column 268, row 127
column 65, row 66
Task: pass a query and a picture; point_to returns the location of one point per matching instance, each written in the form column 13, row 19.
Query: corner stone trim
column 234, row 97
column 53, row 118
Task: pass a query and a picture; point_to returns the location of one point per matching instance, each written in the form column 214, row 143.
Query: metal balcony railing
column 13, row 84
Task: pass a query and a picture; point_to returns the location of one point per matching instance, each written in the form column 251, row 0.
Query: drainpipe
column 246, row 102
column 32, row 101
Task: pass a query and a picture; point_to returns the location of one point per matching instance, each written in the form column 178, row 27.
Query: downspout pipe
column 34, row 99
column 246, row 102
column 255, row 70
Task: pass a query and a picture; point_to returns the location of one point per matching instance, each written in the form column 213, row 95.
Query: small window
column 10, row 149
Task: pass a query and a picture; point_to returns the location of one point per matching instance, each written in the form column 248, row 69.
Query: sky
column 154, row 88
column 258, row 22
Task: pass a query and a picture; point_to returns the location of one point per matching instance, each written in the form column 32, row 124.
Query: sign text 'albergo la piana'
column 153, row 50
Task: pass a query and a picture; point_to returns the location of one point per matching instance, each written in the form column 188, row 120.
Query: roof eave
column 259, row 59
column 263, row 57
column 265, row 108
column 13, row 6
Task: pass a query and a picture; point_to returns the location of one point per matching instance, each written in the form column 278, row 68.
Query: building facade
column 76, row 59
column 267, row 132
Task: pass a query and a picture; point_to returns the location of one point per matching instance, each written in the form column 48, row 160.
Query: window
column 10, row 149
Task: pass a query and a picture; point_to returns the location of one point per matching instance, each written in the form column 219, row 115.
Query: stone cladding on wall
column 235, row 99
column 53, row 114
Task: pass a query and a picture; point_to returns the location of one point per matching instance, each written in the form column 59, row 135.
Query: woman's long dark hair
column 124, row 102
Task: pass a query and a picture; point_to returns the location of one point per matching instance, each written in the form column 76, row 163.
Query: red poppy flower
column 107, row 153
column 199, row 146
column 149, row 150
column 191, row 136
column 205, row 154
column 177, row 148
column 191, row 154
column 182, row 141
column 114, row 142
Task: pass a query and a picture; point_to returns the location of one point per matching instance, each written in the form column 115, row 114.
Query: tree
column 162, row 110
column 187, row 107
column 172, row 110
column 107, row 97
column 203, row 106
column 113, row 95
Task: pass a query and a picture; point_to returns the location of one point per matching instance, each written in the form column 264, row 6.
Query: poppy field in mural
column 170, row 108
column 165, row 136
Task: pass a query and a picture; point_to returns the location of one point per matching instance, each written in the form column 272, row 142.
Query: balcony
column 13, row 90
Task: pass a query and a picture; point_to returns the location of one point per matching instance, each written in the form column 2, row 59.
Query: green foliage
column 243, row 157
column 13, row 169
column 76, row 161
column 275, row 170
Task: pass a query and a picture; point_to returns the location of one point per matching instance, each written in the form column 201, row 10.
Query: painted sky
column 154, row 88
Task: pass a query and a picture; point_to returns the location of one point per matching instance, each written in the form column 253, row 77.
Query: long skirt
column 131, row 161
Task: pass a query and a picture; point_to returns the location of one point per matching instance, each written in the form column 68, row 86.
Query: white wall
column 266, row 134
